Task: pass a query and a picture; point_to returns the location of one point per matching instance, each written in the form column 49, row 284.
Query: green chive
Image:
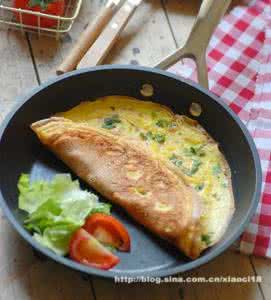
column 206, row 239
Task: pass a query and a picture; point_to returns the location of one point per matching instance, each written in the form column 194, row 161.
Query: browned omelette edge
column 58, row 140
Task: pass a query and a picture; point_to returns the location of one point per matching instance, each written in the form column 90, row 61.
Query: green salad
column 56, row 209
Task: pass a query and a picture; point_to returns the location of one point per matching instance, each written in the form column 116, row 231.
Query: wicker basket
column 64, row 23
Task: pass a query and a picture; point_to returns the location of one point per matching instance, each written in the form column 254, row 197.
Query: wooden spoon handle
column 87, row 38
column 108, row 37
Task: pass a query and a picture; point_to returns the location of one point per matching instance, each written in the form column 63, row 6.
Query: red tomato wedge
column 87, row 250
column 108, row 230
column 52, row 7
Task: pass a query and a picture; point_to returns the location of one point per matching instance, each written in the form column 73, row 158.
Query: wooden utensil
column 88, row 37
column 108, row 37
column 211, row 12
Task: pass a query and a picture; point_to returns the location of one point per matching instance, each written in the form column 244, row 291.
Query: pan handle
column 210, row 13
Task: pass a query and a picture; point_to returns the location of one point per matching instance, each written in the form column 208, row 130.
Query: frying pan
column 20, row 151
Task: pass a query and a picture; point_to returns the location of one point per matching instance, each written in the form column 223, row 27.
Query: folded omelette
column 162, row 168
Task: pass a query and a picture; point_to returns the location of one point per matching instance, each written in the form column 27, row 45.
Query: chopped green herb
column 195, row 167
column 216, row 170
column 193, row 150
column 189, row 172
column 110, row 123
column 196, row 150
column 174, row 159
column 149, row 135
column 160, row 138
column 143, row 136
column 199, row 187
column 206, row 239
column 163, row 123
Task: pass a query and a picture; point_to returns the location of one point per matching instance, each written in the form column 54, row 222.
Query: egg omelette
column 164, row 169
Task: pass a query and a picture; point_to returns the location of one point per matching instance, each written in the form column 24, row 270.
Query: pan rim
column 132, row 274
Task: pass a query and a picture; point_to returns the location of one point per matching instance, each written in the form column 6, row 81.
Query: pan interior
column 20, row 151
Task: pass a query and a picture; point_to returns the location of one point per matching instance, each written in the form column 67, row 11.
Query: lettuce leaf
column 56, row 238
column 32, row 196
column 56, row 209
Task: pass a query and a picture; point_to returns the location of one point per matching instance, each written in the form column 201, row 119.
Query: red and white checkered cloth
column 239, row 63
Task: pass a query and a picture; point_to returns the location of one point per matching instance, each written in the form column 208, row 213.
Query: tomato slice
column 85, row 249
column 108, row 230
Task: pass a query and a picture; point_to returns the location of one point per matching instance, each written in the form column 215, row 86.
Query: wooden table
column 156, row 29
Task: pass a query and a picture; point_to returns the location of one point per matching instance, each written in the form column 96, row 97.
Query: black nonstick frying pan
column 20, row 151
